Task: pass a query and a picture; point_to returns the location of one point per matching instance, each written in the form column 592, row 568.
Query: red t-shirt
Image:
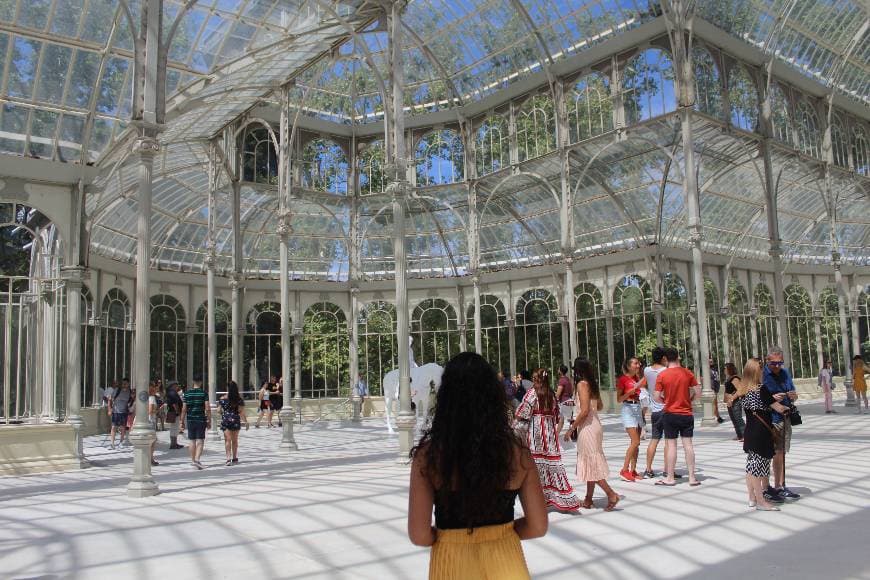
column 625, row 384
column 675, row 384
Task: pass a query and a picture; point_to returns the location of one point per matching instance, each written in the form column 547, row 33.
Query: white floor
column 336, row 509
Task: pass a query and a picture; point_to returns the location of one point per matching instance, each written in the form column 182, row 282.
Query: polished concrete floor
column 336, row 509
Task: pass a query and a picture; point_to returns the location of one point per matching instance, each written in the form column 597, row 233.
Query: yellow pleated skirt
column 487, row 553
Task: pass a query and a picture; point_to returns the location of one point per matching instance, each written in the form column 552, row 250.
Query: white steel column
column 74, row 276
column 142, row 484
column 462, row 319
column 210, row 263
column 353, row 355
column 571, row 306
column 236, row 329
column 98, row 350
column 842, row 308
column 478, row 331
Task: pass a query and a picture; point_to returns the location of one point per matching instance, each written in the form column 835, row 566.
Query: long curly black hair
column 470, row 447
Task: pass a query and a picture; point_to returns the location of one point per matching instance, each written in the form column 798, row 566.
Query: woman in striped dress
column 538, row 415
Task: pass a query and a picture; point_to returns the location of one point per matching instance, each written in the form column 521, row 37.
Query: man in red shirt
column 677, row 387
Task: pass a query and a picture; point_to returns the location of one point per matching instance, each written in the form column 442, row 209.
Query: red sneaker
column 636, row 474
column 626, row 475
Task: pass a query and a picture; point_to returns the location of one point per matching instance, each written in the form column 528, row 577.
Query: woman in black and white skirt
column 759, row 433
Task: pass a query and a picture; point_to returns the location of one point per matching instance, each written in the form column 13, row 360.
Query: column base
column 214, row 434
column 288, row 440
column 850, row 394
column 708, row 419
column 142, row 484
column 356, row 406
column 78, row 425
column 406, row 423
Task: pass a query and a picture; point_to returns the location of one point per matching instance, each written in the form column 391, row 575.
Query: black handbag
column 795, row 417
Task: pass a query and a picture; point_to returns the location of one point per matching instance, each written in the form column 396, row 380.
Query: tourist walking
column 153, row 410
column 277, row 398
column 777, row 381
column 733, row 400
column 859, row 382
column 677, row 387
column 173, row 410
column 826, row 383
column 656, row 408
column 119, row 404
column 265, row 397
column 715, row 386
column 536, row 417
column 565, row 397
column 628, row 389
column 232, row 415
column 591, row 461
column 759, row 436
column 195, row 413
column 475, row 536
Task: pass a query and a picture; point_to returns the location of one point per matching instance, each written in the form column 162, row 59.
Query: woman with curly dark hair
column 536, row 418
column 470, row 466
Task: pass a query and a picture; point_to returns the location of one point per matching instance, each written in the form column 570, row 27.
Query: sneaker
column 112, row 446
column 636, row 474
column 788, row 494
column 626, row 475
column 720, row 420
column 154, row 462
column 773, row 496
column 649, row 474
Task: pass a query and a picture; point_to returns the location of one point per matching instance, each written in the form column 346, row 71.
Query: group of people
column 484, row 449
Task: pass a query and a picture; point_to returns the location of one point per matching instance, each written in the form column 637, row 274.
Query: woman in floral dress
column 537, row 415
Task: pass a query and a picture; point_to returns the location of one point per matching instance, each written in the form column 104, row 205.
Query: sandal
column 611, row 503
column 665, row 483
column 229, row 462
column 587, row 504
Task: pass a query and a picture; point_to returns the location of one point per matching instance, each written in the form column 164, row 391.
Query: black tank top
column 447, row 518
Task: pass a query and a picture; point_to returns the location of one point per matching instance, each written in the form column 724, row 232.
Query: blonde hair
column 751, row 377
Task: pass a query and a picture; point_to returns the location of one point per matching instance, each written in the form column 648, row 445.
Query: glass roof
column 66, row 86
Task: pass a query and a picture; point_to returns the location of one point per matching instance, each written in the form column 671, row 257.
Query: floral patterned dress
column 543, row 442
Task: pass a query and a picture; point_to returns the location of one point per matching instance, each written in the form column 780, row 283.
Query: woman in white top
column 826, row 382
column 152, row 416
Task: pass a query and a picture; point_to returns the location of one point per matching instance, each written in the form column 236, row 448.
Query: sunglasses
column 775, row 363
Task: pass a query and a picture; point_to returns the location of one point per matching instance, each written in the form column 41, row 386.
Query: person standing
column 119, row 409
column 232, row 414
column 277, row 398
column 859, row 382
column 475, row 535
column 758, row 442
column 195, row 413
column 715, row 386
column 591, row 461
column 826, row 382
column 173, row 410
column 733, row 400
column 628, row 389
column 777, row 381
column 656, row 408
column 153, row 410
column 565, row 397
column 537, row 416
column 677, row 387
column 264, row 396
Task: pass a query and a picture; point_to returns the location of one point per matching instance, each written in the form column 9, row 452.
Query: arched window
column 779, row 117
column 378, row 352
column 801, row 334
column 116, row 337
column 492, row 145
column 739, row 324
column 89, row 391
column 708, row 84
column 765, row 321
column 370, row 163
column 807, row 123
column 832, row 346
column 714, row 326
column 839, row 142
column 493, row 330
column 324, row 166
column 648, row 86
column 325, row 370
column 262, row 354
column 864, row 321
column 223, row 324
column 676, row 326
column 168, row 339
column 742, row 98
column 538, row 331
column 590, row 107
column 860, row 151
column 259, row 160
column 633, row 320
column 536, row 127
column 435, row 332
column 440, row 158
column 591, row 327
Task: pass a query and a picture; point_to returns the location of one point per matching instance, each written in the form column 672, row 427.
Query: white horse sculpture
column 423, row 379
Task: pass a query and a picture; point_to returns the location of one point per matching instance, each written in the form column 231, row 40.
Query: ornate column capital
column 235, row 281
column 210, row 256
column 725, row 311
column 74, row 275
column 753, row 312
column 658, row 306
column 284, row 228
column 569, row 261
column 190, row 328
column 146, row 146
column 475, row 281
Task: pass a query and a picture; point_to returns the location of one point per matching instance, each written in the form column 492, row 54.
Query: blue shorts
column 195, row 430
column 658, row 427
column 119, row 419
column 631, row 415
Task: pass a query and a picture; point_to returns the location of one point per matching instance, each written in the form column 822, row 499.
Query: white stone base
column 28, row 449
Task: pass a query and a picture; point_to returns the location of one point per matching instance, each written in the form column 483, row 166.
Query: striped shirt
column 195, row 400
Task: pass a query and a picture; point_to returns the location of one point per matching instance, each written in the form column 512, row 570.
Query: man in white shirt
column 656, row 409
